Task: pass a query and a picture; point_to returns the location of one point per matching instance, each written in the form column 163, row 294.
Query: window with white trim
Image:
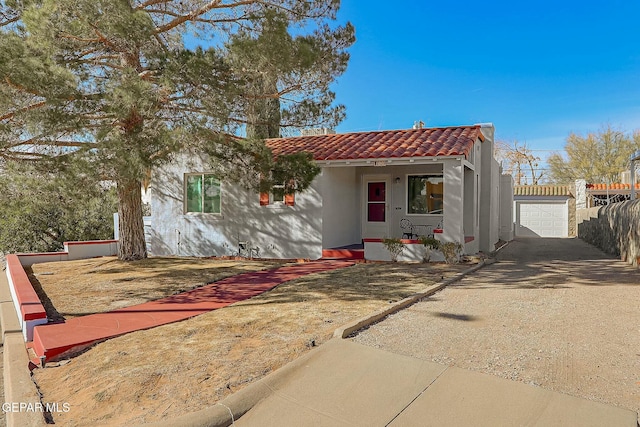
column 277, row 194
column 277, row 197
column 425, row 194
column 202, row 193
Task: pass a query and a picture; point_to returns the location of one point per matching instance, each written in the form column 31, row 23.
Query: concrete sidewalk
column 16, row 376
column 342, row 383
column 346, row 384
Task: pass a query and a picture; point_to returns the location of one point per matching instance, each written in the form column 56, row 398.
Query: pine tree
column 280, row 71
column 110, row 82
column 40, row 210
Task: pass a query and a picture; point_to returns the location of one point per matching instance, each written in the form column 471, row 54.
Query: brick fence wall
column 615, row 229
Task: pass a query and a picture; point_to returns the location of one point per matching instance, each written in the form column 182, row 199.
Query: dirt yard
column 170, row 370
column 556, row 313
column 81, row 287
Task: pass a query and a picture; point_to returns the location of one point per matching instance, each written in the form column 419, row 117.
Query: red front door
column 375, row 222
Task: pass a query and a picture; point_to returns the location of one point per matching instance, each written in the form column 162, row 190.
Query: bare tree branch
column 151, row 3
column 520, row 162
column 216, row 4
column 198, row 19
column 22, row 110
column 10, row 21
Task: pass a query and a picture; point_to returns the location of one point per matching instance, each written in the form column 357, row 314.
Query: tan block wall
column 573, row 227
column 615, row 229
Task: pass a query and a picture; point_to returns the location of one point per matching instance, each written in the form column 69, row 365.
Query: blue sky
column 537, row 70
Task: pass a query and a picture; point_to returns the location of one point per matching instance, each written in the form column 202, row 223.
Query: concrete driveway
column 549, row 335
column 553, row 313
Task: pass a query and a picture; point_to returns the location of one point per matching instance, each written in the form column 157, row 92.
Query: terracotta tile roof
column 614, row 186
column 542, row 190
column 428, row 142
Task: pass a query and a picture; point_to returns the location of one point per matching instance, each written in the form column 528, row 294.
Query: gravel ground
column 555, row 313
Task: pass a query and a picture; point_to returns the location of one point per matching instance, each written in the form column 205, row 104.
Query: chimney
column 316, row 131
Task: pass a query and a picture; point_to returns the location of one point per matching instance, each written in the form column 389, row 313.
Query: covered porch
column 364, row 202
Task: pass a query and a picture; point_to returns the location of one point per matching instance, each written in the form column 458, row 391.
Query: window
column 277, row 197
column 425, row 194
column 376, row 201
column 202, row 193
column 277, row 194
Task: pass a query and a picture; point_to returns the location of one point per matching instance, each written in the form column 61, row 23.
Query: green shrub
column 394, row 246
column 451, row 252
column 429, row 242
column 430, row 245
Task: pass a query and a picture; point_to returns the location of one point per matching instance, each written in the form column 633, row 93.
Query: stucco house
column 439, row 179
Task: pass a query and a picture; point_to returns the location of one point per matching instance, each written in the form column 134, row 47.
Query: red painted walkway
column 55, row 340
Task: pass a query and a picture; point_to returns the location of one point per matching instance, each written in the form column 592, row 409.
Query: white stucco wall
column 486, row 186
column 453, row 221
column 581, row 193
column 279, row 231
column 506, row 208
column 494, row 223
column 413, row 252
column 340, row 207
column 326, row 216
column 470, row 209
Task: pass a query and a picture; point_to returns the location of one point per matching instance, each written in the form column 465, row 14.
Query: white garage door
column 542, row 219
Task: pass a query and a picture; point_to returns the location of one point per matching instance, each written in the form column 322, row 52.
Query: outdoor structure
column 606, row 194
column 589, row 195
column 399, row 183
column 544, row 210
column 550, row 210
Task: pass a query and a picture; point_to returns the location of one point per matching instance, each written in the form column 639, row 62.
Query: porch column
column 453, row 204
